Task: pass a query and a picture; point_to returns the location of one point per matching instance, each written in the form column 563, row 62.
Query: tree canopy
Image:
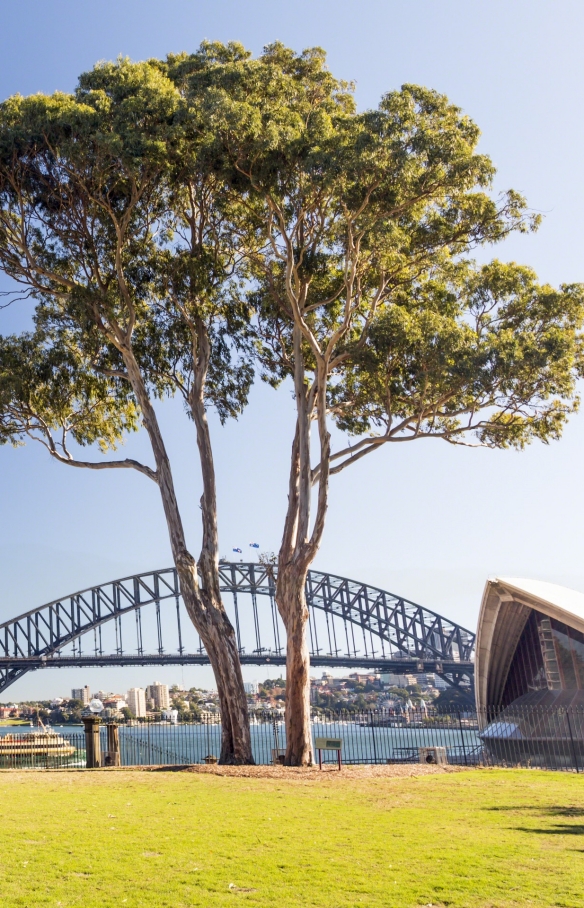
column 112, row 222
column 183, row 223
column 365, row 291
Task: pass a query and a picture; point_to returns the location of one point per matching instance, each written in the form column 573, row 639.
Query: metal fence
column 522, row 736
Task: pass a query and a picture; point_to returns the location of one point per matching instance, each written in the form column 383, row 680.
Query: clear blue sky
column 425, row 520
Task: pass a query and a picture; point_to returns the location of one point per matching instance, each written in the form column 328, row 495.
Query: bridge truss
column 141, row 620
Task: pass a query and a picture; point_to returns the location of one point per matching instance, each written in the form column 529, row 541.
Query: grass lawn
column 492, row 838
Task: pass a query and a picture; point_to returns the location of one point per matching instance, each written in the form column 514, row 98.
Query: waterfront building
column 369, row 678
column 81, row 693
column 136, row 699
column 170, row 715
column 251, row 687
column 159, row 693
column 210, row 716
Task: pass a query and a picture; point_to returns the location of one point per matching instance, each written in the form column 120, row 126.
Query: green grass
column 479, row 838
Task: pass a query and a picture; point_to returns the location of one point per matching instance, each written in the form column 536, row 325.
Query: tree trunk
column 203, row 606
column 224, row 657
column 219, row 639
column 220, row 642
column 297, row 552
column 291, row 598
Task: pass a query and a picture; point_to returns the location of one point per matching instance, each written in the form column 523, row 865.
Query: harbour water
column 157, row 743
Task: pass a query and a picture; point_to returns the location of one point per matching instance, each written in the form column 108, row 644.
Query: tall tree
column 108, row 220
column 365, row 295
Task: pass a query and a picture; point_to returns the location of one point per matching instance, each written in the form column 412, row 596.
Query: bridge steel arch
column 396, row 635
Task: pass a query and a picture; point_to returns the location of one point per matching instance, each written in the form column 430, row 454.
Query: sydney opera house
column 530, row 671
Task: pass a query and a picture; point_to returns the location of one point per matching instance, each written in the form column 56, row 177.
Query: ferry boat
column 45, row 743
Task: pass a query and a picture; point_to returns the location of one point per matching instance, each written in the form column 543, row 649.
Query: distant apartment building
column 81, row 693
column 159, row 694
column 363, row 679
column 117, row 702
column 432, row 680
column 210, row 716
column 250, row 687
column 136, row 700
column 425, row 679
column 393, row 680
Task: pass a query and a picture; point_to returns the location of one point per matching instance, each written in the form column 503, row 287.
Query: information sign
column 329, row 744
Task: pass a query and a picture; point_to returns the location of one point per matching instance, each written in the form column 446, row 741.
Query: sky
column 425, row 520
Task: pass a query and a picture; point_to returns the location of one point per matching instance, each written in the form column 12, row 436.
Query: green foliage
column 164, row 200
column 455, row 699
column 486, row 350
column 271, row 683
column 401, row 693
column 49, row 392
column 108, row 221
column 364, row 223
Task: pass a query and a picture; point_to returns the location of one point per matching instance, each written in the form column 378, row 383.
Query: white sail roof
column 568, row 600
column 504, row 609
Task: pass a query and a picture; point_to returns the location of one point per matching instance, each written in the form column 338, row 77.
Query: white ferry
column 45, row 743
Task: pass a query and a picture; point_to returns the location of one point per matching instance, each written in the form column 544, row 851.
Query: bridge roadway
column 351, row 625
column 392, row 666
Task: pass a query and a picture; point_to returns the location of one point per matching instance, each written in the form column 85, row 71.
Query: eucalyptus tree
column 110, row 221
column 365, row 294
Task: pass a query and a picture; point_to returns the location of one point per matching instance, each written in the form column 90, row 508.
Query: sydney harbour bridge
column 141, row 620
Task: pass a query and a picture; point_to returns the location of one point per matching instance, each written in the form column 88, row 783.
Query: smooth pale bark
column 218, row 637
column 221, row 639
column 300, row 544
column 290, row 594
column 203, row 602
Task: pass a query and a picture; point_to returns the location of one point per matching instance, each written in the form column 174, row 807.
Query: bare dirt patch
column 328, row 772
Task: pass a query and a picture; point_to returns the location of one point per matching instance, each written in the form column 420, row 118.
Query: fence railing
column 518, row 736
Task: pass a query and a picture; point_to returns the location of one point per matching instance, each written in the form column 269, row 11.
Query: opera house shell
column 529, row 672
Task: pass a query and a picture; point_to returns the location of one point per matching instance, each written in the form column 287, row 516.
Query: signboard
column 328, row 743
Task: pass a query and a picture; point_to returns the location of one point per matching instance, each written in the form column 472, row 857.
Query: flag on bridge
column 254, row 545
column 238, row 550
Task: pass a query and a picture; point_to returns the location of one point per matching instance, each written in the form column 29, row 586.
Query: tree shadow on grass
column 553, row 811
column 556, row 829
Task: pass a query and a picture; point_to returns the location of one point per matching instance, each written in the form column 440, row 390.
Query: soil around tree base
column 329, row 770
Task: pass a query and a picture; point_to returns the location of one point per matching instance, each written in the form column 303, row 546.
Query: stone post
column 92, row 743
column 112, row 757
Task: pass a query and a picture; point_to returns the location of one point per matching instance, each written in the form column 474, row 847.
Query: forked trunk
column 219, row 636
column 219, row 640
column 203, row 605
column 291, row 598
